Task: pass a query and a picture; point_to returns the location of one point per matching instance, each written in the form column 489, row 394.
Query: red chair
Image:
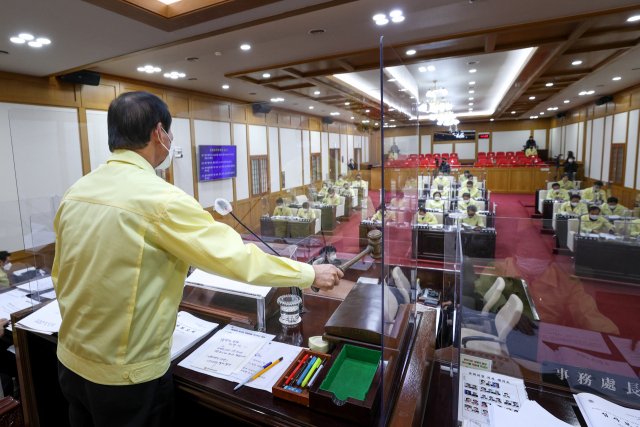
column 481, row 153
column 500, row 153
column 525, row 163
column 479, row 165
column 436, row 156
column 510, row 153
column 413, row 156
column 503, row 162
column 453, row 156
column 491, row 154
column 520, row 154
column 513, row 162
column 533, row 156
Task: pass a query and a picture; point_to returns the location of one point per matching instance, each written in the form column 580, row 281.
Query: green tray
column 352, row 373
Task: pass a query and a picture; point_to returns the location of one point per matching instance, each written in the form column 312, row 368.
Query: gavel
column 374, row 248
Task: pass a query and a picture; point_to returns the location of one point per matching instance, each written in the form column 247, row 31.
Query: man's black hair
column 554, row 184
column 305, row 205
column 466, row 194
column 280, row 200
column 593, row 208
column 132, row 117
column 472, row 208
column 422, row 209
column 4, row 255
column 612, row 200
column 575, row 196
column 437, row 192
column 600, row 183
column 469, row 182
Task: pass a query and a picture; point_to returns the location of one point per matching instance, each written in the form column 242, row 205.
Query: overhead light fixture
column 411, row 52
column 352, row 118
column 397, row 19
column 550, row 108
column 634, row 18
column 42, row 40
column 532, row 97
column 310, row 108
column 266, row 75
column 169, row 1
column 245, row 47
column 395, row 13
column 472, row 83
column 566, row 101
column 549, row 84
column 365, row 121
column 616, row 78
column 335, row 113
column 277, row 99
column 470, row 109
column 366, row 111
column 382, row 21
column 391, row 80
column 392, row 109
column 347, row 103
column 586, row 92
column 576, row 62
column 35, row 44
column 316, row 92
column 471, row 99
column 225, row 86
column 490, row 120
column 25, row 36
column 376, row 124
column 555, row 108
column 149, row 69
column 471, row 103
column 542, row 113
column 174, row 75
column 392, row 120
column 472, row 91
column 473, row 70
column 422, row 69
column 513, row 112
column 17, row 40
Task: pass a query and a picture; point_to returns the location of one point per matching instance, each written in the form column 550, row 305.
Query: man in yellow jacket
column 473, row 219
column 594, row 223
column 474, row 193
column 574, row 207
column 612, row 207
column 557, row 193
column 305, row 212
column 331, row 198
column 125, row 239
column 635, row 228
column 566, row 183
column 595, row 193
column 425, row 217
column 466, row 202
column 281, row 209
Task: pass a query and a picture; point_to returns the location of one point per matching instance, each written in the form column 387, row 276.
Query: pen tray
column 301, row 398
column 349, row 385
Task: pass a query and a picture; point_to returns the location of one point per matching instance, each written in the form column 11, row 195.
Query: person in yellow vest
column 557, row 193
column 282, row 209
column 346, row 192
column 531, row 151
column 306, row 212
column 388, row 216
column 612, row 207
column 444, row 193
column 574, row 206
column 437, row 202
column 5, row 265
column 411, row 182
column 425, row 217
column 441, row 179
column 399, row 201
column 634, row 228
column 466, row 202
column 474, row 193
column 331, row 198
column 359, row 182
column 566, row 183
column 467, row 176
column 595, row 193
column 473, row 219
column 340, row 182
column 595, row 223
column 324, row 190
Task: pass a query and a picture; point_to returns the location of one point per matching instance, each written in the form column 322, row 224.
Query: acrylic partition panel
column 548, row 314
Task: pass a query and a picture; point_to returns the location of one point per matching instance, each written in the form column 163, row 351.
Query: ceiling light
column 392, row 120
column 245, row 47
column 634, row 18
column 490, row 120
column 42, row 40
column 472, row 83
column 473, row 70
column 549, row 84
column 382, row 21
column 335, row 113
column 149, row 69
column 422, row 69
column 398, row 19
column 352, row 118
column 471, row 99
column 25, row 36
column 379, row 17
column 391, row 109
column 365, row 121
column 17, row 40
column 472, row 91
column 550, row 108
column 590, row 92
column 347, row 103
column 412, row 97
column 376, row 124
column 225, row 86
column 277, row 99
column 513, row 112
column 395, row 13
column 542, row 113
column 555, row 108
column 616, row 78
column 169, row 1
column 471, row 103
column 316, row 92
column 431, row 68
column 35, row 44
column 391, row 80
column 411, row 52
column 576, row 63
column 532, row 97
column 470, row 109
column 310, row 108
column 266, row 75
column 566, row 101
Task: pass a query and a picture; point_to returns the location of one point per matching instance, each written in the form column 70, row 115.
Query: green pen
column 311, row 371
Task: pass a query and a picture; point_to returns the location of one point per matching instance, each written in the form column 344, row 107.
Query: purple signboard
column 217, row 162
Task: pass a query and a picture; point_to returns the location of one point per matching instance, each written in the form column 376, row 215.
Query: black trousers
column 148, row 404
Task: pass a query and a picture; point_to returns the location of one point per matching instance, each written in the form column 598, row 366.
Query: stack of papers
column 530, row 415
column 201, row 278
column 598, row 412
column 13, row 301
column 47, row 320
column 189, row 330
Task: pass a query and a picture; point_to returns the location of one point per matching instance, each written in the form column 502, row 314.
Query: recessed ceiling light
column 549, row 84
column 391, row 109
column 310, row 108
column 376, row 124
column 490, row 120
column 316, row 92
column 25, row 36
column 392, row 120
column 379, row 16
column 35, row 44
column 616, row 78
column 412, row 97
column 472, row 91
column 382, row 21
column 169, row 1
column 550, row 108
column 532, row 97
column 576, row 63
column 17, row 40
column 431, row 68
column 542, row 113
column 391, row 80
column 395, row 13
column 471, row 103
column 471, row 99
column 470, row 109
column 366, row 111
column 174, row 75
column 473, row 70
column 397, row 18
column 42, row 40
column 472, row 83
column 245, row 47
column 266, row 75
column 411, row 52
column 225, row 86
column 566, row 101
column 352, row 118
column 422, row 69
column 347, row 103
column 634, row 18
column 513, row 112
column 149, row 69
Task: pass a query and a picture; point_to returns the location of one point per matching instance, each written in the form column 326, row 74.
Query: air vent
column 472, row 62
column 192, row 58
column 192, row 79
column 316, row 32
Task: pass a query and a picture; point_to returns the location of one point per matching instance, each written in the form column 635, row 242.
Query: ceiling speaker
column 560, row 115
column 327, row 120
column 83, row 77
column 261, row 109
column 603, row 100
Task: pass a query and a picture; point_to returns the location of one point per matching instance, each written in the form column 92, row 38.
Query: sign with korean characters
column 217, row 162
column 475, row 362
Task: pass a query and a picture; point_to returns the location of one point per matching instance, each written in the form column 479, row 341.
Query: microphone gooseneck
column 265, row 243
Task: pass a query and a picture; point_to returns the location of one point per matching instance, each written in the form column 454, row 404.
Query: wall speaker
column 560, row 115
column 603, row 100
column 261, row 108
column 84, row 77
column 327, row 120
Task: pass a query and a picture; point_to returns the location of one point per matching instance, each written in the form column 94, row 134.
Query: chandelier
column 439, row 110
column 436, row 91
column 457, row 133
column 444, row 119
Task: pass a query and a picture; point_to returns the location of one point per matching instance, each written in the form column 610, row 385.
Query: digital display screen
column 483, row 136
column 217, row 162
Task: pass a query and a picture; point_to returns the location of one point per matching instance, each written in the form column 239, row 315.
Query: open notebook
column 598, row 412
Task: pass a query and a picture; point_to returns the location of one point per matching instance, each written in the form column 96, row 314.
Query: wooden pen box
column 301, row 398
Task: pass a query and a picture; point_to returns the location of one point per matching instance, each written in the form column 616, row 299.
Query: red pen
column 295, row 371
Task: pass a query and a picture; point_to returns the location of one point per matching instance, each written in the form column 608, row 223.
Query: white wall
column 343, row 154
column 441, row 148
column 257, row 140
column 425, row 144
column 408, row 144
column 183, row 167
column 579, row 153
column 242, row 175
column 291, row 157
column 98, row 138
column 483, row 146
column 365, row 149
column 597, row 140
column 350, row 146
column 212, row 133
column 466, row 150
column 540, row 135
column 315, row 142
column 587, row 150
column 619, row 128
column 274, row 159
column 324, row 138
column 555, row 143
column 571, row 138
column 306, row 156
column 606, row 155
column 509, row 140
column 632, row 148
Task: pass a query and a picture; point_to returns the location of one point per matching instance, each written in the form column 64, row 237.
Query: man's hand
column 327, row 276
column 3, row 323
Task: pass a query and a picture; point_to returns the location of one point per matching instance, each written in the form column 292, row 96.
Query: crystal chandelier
column 456, row 133
column 444, row 119
column 439, row 109
column 436, row 91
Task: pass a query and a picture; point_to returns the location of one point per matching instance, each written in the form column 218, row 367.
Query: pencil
column 271, row 365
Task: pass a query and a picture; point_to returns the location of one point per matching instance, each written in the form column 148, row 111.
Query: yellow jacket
column 619, row 210
column 362, row 183
column 552, row 195
column 435, row 204
column 581, row 209
column 411, row 183
column 4, row 279
column 600, row 225
column 589, row 193
column 634, row 228
column 444, row 181
column 462, row 205
column 476, row 221
column 339, row 183
column 283, row 211
column 323, row 191
column 474, row 193
column 443, row 193
column 569, row 185
column 530, row 151
column 428, row 218
column 390, row 216
column 331, row 201
column 310, row 214
column 124, row 241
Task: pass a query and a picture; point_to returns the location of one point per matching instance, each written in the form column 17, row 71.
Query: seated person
column 594, row 223
column 440, row 179
column 324, row 190
column 443, row 193
column 437, row 202
column 281, row 209
column 596, row 193
column 473, row 219
column 635, row 228
column 346, row 192
column 399, row 201
column 332, row 198
column 531, row 151
column 5, row 265
column 566, row 183
column 306, row 212
column 411, row 183
column 388, row 216
column 574, row 206
column 557, row 193
column 359, row 182
column 467, row 177
column 340, row 182
column 327, row 255
column 612, row 207
column 466, row 202
column 474, row 179
column 474, row 193
column 425, row 217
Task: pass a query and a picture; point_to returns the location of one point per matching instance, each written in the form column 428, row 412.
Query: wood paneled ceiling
column 595, row 39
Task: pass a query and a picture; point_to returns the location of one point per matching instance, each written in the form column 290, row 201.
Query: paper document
column 46, row 320
column 598, row 412
column 223, row 284
column 189, row 330
column 530, row 415
column 271, row 352
column 39, row 284
column 573, row 337
column 630, row 349
column 228, row 353
column 13, row 301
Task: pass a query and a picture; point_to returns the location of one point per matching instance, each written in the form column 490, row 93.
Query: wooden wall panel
column 284, row 120
column 521, row 180
column 178, row 106
column 34, row 90
column 239, row 114
column 498, row 180
column 209, row 110
column 98, row 97
column 296, row 122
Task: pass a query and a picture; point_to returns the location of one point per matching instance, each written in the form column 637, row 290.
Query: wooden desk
column 607, row 260
column 562, row 225
column 430, row 244
column 285, row 228
column 328, row 218
column 547, row 214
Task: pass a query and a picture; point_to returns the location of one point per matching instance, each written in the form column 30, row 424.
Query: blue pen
column 306, row 371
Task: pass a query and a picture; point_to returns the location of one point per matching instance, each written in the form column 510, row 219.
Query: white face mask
column 7, row 267
column 465, row 200
column 280, row 206
column 570, row 160
column 594, row 217
column 574, row 204
column 556, row 190
column 612, row 207
column 440, row 176
column 469, row 188
column 596, row 189
column 332, row 257
column 306, row 210
column 437, row 197
column 421, row 216
column 167, row 161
